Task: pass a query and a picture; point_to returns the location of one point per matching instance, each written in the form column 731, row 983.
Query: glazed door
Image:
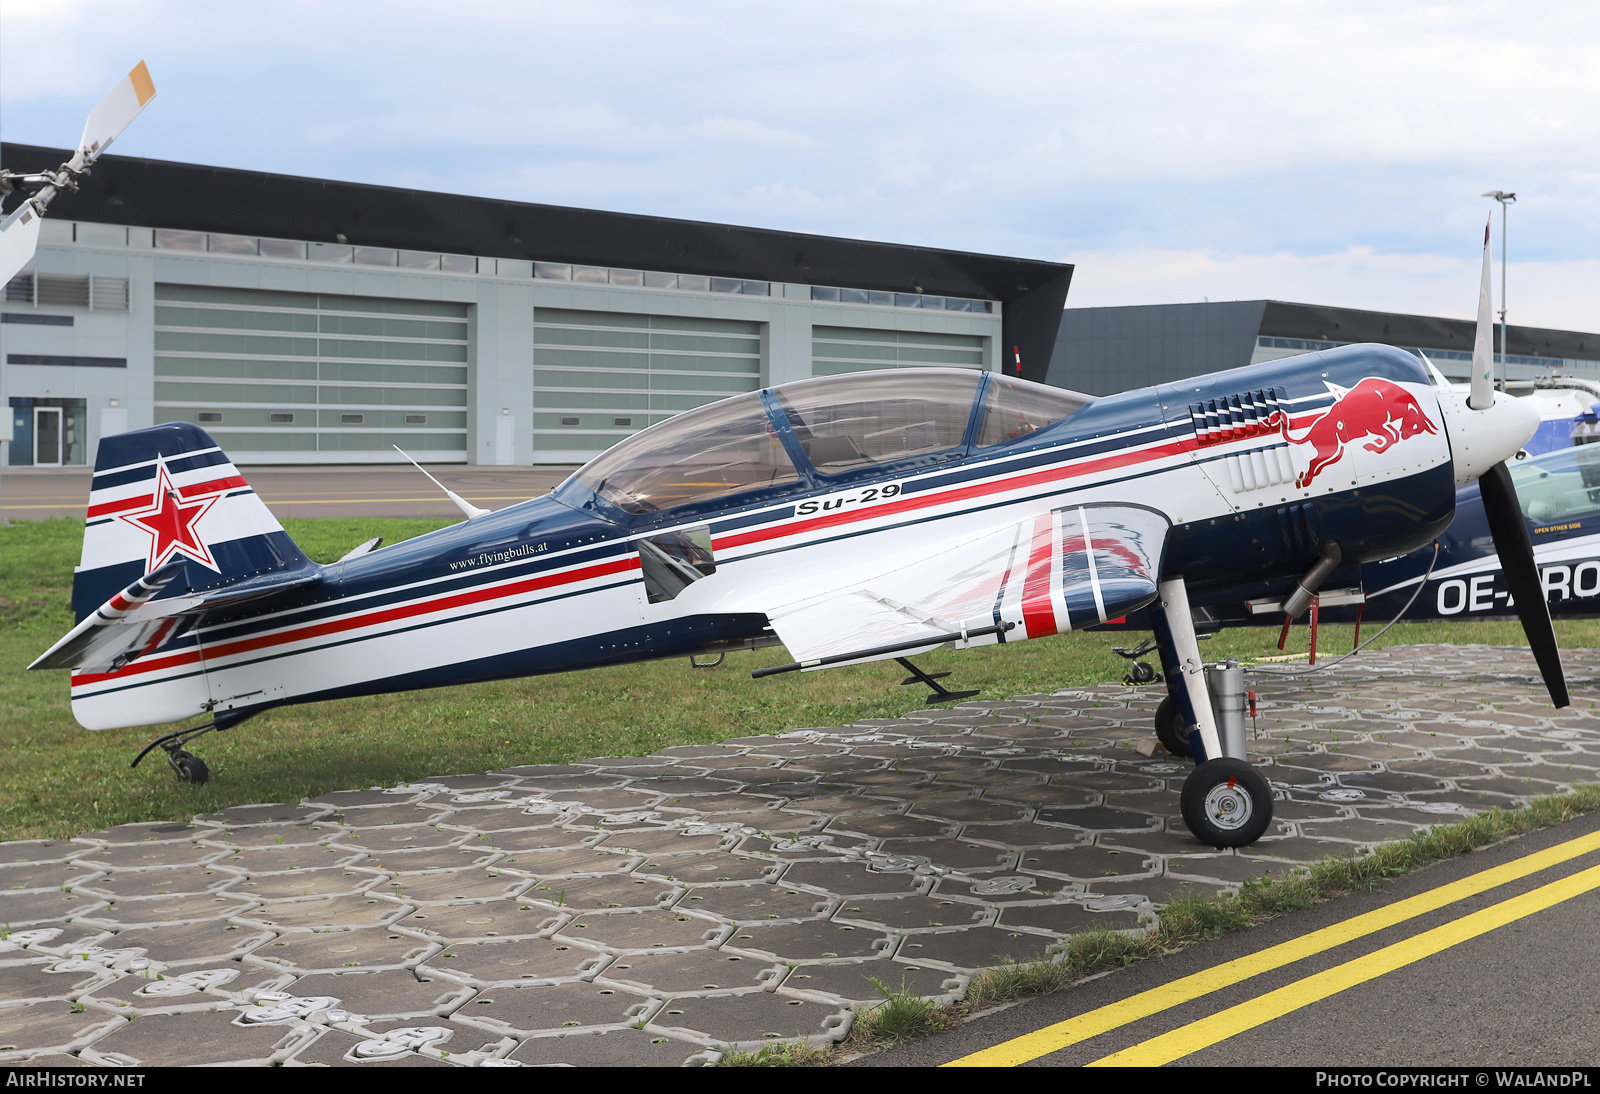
column 47, row 436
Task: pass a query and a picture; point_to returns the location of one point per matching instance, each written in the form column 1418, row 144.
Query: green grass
column 779, row 1054
column 59, row 780
column 902, row 1016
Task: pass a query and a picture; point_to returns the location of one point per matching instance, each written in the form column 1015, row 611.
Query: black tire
column 1170, row 730
column 190, row 768
column 1227, row 803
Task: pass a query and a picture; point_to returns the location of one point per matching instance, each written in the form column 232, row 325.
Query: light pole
column 1505, row 200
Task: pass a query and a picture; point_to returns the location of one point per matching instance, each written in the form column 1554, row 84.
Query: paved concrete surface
column 362, row 490
column 661, row 909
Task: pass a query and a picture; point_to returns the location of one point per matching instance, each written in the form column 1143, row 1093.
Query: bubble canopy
column 810, row 433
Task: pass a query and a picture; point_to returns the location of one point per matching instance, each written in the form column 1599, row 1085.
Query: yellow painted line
column 1189, row 1039
column 1052, row 1038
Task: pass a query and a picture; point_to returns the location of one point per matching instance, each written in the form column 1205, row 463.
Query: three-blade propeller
column 1483, row 430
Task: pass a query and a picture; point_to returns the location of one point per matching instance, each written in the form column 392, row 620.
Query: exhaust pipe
column 1328, row 559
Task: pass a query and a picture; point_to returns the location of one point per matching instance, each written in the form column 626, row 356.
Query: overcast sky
column 1323, row 152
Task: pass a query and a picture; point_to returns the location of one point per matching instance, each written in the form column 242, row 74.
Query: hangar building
column 305, row 321
column 1102, row 350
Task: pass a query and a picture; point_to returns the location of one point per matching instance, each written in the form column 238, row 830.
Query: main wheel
column 1171, row 731
column 1227, row 803
column 190, row 768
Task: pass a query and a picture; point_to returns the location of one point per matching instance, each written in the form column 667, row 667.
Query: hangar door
column 601, row 376
column 283, row 377
column 836, row 350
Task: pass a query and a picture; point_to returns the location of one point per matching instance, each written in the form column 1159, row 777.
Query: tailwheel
column 188, row 767
column 1227, row 803
column 1171, row 730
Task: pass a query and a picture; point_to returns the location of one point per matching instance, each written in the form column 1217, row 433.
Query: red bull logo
column 1378, row 409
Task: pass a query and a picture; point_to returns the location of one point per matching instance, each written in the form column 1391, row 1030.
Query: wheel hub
column 1228, row 806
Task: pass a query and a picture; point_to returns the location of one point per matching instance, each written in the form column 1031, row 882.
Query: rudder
column 166, row 493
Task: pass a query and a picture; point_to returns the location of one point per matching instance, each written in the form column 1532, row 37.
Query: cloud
column 1273, row 140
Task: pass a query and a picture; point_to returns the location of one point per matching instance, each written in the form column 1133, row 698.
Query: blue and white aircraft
column 1559, row 495
column 850, row 518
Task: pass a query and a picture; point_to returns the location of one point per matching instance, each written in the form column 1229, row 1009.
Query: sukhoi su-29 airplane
column 850, row 518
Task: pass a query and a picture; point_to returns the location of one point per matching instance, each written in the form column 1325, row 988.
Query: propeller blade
column 19, row 238
column 1515, row 548
column 108, row 119
column 1482, row 397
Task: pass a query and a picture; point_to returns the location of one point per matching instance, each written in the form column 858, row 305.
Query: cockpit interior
column 813, row 434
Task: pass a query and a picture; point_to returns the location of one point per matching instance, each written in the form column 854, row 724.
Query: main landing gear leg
column 1226, row 802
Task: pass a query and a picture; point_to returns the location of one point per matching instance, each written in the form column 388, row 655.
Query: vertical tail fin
column 170, row 494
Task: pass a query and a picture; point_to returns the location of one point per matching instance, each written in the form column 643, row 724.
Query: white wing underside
column 1048, row 574
column 936, row 595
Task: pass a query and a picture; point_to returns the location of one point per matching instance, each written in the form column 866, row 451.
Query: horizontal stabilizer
column 134, row 623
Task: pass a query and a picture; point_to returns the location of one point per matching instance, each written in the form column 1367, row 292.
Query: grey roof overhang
column 192, row 197
column 1286, row 320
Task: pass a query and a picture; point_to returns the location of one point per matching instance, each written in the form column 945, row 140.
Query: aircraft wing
column 1060, row 571
column 133, row 622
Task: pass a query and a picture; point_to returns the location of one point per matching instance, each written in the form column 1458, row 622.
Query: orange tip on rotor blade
column 143, row 86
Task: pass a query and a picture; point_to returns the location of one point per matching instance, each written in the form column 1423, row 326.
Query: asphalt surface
column 360, row 490
column 1526, row 993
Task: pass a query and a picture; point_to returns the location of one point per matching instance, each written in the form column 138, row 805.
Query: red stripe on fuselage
column 961, row 493
column 994, row 486
column 362, row 619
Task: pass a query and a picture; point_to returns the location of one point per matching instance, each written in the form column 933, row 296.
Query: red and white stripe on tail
column 169, row 494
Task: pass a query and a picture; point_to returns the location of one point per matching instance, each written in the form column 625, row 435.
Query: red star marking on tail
column 170, row 522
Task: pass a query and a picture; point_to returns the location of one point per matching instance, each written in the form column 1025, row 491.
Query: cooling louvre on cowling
column 1236, row 417
column 1242, row 417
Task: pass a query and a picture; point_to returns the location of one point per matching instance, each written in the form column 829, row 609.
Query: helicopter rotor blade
column 19, row 232
column 112, row 115
column 19, row 238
